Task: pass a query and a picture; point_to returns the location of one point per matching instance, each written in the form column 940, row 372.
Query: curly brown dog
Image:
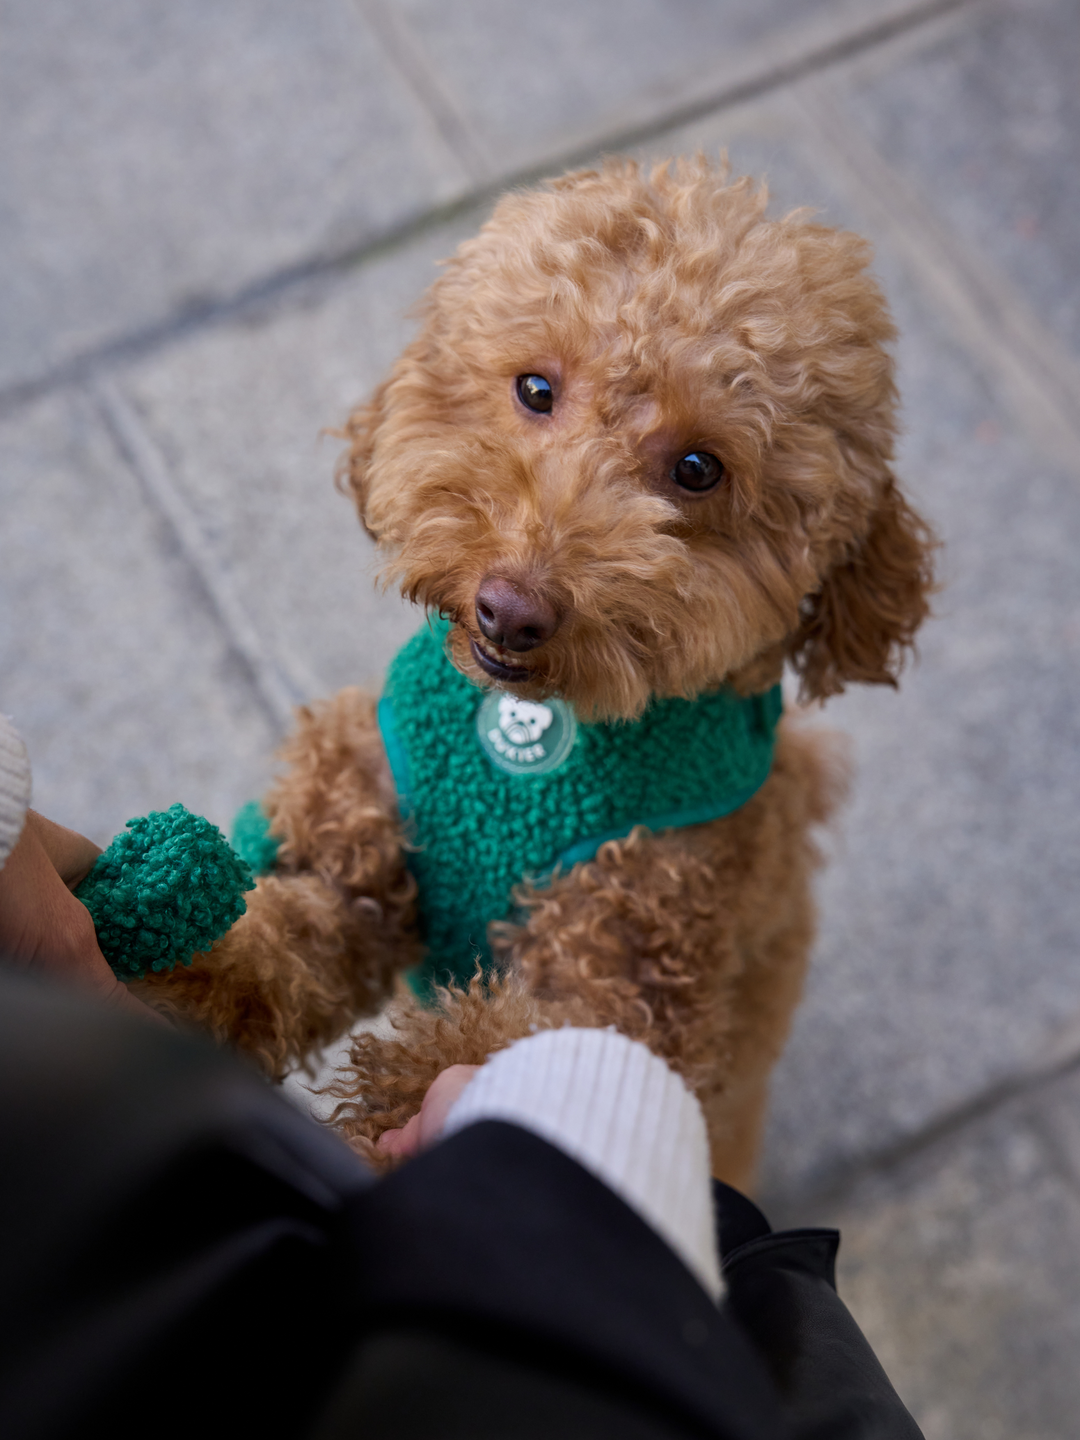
column 639, row 449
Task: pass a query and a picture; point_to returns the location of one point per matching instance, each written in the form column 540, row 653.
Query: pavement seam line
column 277, row 690
column 1062, row 1058
column 404, row 52
column 822, row 56
column 1032, row 371
column 327, row 266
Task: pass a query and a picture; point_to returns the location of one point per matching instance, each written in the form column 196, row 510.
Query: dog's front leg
column 326, row 932
column 694, row 942
column 643, row 938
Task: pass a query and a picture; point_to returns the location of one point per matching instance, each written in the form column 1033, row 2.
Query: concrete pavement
column 213, row 220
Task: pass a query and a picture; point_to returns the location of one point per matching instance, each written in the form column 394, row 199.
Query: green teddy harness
column 496, row 790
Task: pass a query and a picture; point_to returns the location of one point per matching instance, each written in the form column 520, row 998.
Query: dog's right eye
column 535, row 392
column 698, row 472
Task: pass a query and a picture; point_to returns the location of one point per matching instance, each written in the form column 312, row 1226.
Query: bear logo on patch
column 521, row 721
column 522, row 737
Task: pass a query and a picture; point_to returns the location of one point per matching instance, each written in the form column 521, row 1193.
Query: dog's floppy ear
column 858, row 626
column 360, row 430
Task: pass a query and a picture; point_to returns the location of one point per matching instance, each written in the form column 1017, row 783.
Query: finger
column 44, row 927
column 114, row 992
column 441, row 1095
column 33, row 900
column 424, row 1128
column 403, row 1143
column 72, row 854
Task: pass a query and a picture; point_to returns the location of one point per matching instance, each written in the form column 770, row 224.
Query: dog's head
column 642, row 445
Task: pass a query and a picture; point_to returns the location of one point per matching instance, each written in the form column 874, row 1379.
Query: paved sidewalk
column 214, row 218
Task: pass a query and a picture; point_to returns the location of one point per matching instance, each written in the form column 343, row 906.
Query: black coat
column 185, row 1254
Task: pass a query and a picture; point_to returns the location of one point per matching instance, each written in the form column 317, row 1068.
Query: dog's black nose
column 513, row 617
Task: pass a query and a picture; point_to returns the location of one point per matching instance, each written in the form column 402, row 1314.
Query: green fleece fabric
column 478, row 831
column 167, row 888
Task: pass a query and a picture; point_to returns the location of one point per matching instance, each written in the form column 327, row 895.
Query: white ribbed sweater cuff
column 617, row 1109
column 14, row 786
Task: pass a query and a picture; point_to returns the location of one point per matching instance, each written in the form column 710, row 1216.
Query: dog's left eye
column 535, row 392
column 698, row 471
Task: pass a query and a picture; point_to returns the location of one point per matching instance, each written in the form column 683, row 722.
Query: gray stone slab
column 238, row 413
column 962, row 1266
column 113, row 665
column 158, row 156
column 534, row 81
column 949, row 910
column 984, row 116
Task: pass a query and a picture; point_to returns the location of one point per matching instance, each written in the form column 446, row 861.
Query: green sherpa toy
column 167, row 887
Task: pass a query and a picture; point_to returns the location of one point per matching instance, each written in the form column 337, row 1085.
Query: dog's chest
column 495, row 790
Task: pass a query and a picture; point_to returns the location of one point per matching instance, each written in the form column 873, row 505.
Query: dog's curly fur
column 669, row 315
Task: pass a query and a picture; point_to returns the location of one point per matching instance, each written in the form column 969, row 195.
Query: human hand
column 43, row 928
column 72, row 855
column 425, row 1127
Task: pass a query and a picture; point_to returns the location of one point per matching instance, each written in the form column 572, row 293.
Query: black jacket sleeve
column 166, row 1222
column 503, row 1256
column 184, row 1253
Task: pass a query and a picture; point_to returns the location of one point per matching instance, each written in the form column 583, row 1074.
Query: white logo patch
column 522, row 737
column 521, row 721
